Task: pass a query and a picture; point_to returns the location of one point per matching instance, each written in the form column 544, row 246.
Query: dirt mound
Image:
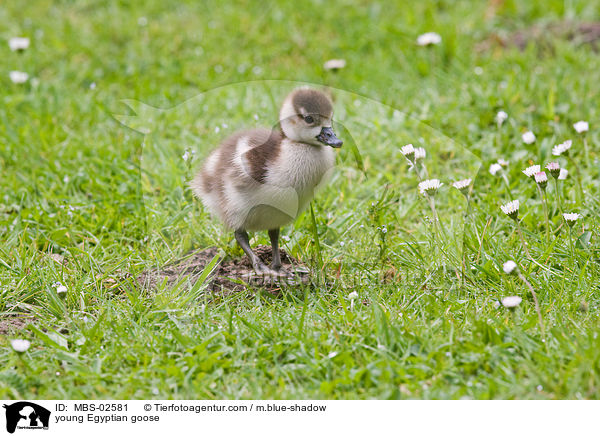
column 542, row 35
column 229, row 275
column 12, row 324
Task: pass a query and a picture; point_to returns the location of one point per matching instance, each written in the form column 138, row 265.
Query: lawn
column 404, row 302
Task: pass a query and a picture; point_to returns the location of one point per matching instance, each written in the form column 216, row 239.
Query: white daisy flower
column 408, row 151
column 512, row 301
column 503, row 162
column 501, row 116
column 563, row 174
column 61, row 290
column 532, row 170
column 462, row 185
column 571, row 218
column 528, row 137
column 541, row 179
column 511, row 209
column 420, row 153
column 429, row 187
column 559, row 149
column 18, row 43
column 429, row 38
column 352, row 296
column 553, row 168
column 334, row 64
column 18, row 76
column 509, row 267
column 494, row 168
column 20, row 345
column 581, row 126
column 188, row 155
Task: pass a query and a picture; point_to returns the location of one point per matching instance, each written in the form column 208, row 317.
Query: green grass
column 73, row 183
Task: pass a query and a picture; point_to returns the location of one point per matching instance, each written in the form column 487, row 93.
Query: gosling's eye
column 309, row 119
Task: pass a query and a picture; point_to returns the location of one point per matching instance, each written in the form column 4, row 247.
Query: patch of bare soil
column 229, row 275
column 11, row 324
column 543, row 34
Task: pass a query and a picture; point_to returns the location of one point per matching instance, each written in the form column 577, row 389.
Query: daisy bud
column 334, row 64
column 462, row 185
column 563, row 174
column 554, row 169
column 18, row 44
column 409, row 152
column 581, row 126
column 20, row 345
column 501, row 116
column 511, row 302
column 494, row 168
column 559, row 149
column 511, row 209
column 510, row 267
column 429, row 187
column 528, row 137
column 571, row 218
column 18, row 77
column 429, row 38
column 541, row 179
column 61, row 291
column 420, row 153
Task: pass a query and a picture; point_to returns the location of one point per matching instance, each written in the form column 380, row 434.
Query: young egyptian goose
column 262, row 179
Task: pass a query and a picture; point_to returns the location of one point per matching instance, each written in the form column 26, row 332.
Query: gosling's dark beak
column 327, row 137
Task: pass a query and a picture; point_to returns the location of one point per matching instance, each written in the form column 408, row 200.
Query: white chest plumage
column 290, row 184
column 301, row 167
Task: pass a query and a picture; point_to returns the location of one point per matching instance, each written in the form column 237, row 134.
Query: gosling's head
column 306, row 116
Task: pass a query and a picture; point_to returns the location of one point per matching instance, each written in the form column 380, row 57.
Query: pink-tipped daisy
column 554, row 169
column 541, row 179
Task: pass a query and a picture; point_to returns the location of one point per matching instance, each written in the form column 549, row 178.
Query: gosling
column 262, row 179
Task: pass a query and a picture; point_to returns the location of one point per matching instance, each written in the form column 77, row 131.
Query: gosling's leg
column 241, row 237
column 276, row 262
